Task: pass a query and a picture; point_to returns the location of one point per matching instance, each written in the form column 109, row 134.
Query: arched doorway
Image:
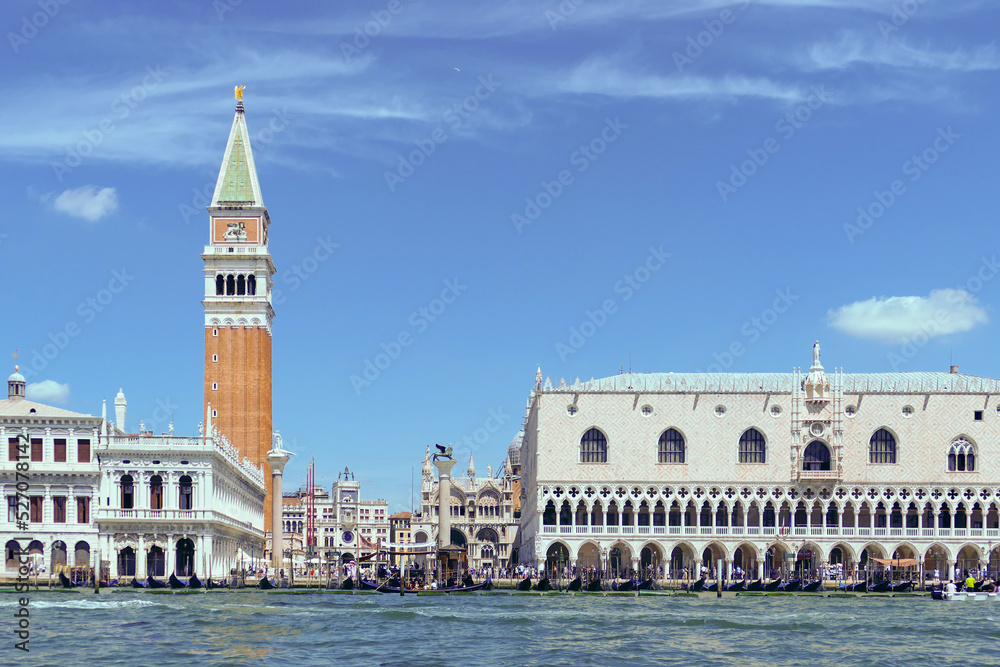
column 156, row 562
column 458, row 538
column 816, row 456
column 682, row 564
column 967, row 561
column 81, row 554
column 589, row 557
column 185, row 557
column 36, row 555
column 126, row 562
column 11, row 551
column 745, row 562
column 556, row 560
column 620, row 561
column 650, row 560
column 776, row 565
column 58, row 556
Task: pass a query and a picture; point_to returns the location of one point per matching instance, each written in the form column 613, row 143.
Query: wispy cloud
column 852, row 48
column 898, row 318
column 87, row 202
column 48, row 391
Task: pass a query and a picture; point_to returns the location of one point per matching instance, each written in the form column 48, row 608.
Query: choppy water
column 256, row 628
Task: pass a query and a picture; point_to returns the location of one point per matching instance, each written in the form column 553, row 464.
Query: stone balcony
column 806, row 532
column 106, row 514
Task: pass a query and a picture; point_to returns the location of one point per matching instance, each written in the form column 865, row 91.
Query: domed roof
column 15, row 376
column 514, row 450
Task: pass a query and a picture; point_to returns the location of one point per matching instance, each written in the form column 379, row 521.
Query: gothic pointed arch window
column 671, row 447
column 816, row 456
column 882, row 447
column 961, row 456
column 753, row 447
column 593, row 447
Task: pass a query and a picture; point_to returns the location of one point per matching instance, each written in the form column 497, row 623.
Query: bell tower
column 238, row 312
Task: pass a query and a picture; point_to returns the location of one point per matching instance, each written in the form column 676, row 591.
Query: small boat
column 713, row 588
column 756, row 585
column 773, row 586
column 697, row 586
column 971, row 596
column 647, row 585
column 264, row 584
column 901, row 587
column 860, row 587
column 462, row 589
column 64, row 580
column 543, row 585
column 176, row 583
column 623, row 586
column 136, row 584
column 593, row 587
column 524, row 584
column 812, row 587
column 937, row 592
column 737, row 586
column 790, row 586
column 575, row 585
column 153, row 583
column 347, row 585
column 194, row 582
column 467, row 581
column 880, row 587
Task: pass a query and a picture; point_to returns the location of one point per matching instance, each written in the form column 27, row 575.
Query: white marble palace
column 766, row 471
column 146, row 504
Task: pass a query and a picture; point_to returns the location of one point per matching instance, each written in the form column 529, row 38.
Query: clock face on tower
column 226, row 231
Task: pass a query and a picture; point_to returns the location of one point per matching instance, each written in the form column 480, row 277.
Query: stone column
column 140, row 559
column 444, row 501
column 276, row 458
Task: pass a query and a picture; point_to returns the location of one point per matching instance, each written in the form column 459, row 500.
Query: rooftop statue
column 443, row 453
column 239, row 93
column 816, row 353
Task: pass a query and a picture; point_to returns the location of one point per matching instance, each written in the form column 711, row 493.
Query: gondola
column 464, row 589
column 713, row 588
column 624, row 586
column 136, row 584
column 901, row 587
column 194, row 582
column 756, row 585
column 347, row 585
column 543, row 585
column 468, row 581
column 264, row 584
column 64, row 580
column 645, row 585
column 176, row 583
column 153, row 583
column 575, row 585
column 880, row 587
column 860, row 587
column 388, row 586
column 738, row 586
column 698, row 585
column 524, row 584
column 790, row 586
column 773, row 586
column 593, row 587
column 813, row 587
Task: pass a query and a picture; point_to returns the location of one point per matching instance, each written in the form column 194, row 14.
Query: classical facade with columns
column 769, row 472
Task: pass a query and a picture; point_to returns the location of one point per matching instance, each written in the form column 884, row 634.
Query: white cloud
column 852, row 48
column 898, row 318
column 48, row 391
column 87, row 202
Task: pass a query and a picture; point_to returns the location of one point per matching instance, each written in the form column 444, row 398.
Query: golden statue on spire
column 239, row 93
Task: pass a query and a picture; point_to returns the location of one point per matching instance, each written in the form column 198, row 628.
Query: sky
column 461, row 192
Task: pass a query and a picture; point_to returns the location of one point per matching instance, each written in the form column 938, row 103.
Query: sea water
column 258, row 628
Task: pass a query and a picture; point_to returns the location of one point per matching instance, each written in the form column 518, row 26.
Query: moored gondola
column 647, row 585
column 524, row 584
column 593, row 587
column 812, row 587
column 860, row 587
column 194, row 582
column 153, row 583
column 347, row 585
column 464, row 589
column 264, row 584
column 789, row 586
column 623, row 586
column 901, row 587
column 773, row 586
column 756, row 585
column 543, row 584
column 737, row 586
column 64, row 580
column 137, row 584
column 713, row 588
column 880, row 587
column 575, row 585
column 176, row 583
column 698, row 585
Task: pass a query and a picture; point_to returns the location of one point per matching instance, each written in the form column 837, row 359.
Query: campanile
column 238, row 312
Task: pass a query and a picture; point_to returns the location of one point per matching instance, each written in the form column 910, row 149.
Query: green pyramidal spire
column 237, row 184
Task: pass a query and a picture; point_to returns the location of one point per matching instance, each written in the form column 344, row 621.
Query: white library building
column 769, row 472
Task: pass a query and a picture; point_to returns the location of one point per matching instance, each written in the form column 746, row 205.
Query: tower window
column 251, row 285
column 215, row 413
column 220, row 285
column 230, row 286
column 215, row 357
column 241, row 285
column 215, row 386
column 215, row 333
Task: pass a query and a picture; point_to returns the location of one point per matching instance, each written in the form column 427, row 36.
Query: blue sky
column 686, row 186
